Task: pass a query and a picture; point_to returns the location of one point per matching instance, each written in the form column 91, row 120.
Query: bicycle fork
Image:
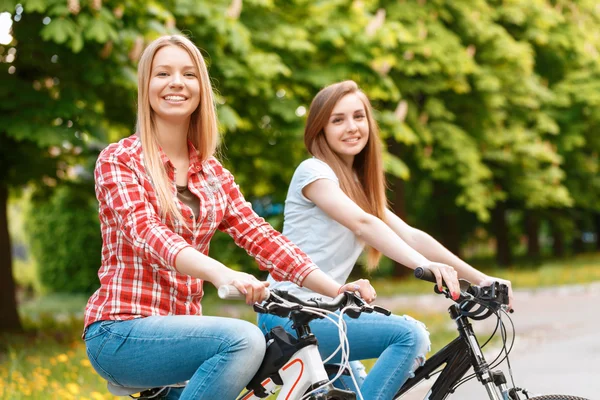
column 493, row 381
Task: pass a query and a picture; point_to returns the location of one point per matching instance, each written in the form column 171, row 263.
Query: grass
column 49, row 361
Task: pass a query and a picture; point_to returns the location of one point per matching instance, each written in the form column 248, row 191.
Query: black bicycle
column 454, row 361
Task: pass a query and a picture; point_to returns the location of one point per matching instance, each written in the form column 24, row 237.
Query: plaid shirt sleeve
column 125, row 206
column 272, row 250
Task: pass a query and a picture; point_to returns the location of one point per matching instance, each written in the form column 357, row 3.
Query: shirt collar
column 195, row 162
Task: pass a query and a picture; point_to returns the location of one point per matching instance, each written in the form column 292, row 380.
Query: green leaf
column 395, row 166
column 59, row 30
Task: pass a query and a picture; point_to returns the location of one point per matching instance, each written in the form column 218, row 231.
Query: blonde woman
column 162, row 196
column 336, row 207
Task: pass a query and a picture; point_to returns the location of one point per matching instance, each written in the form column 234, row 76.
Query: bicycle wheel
column 557, row 397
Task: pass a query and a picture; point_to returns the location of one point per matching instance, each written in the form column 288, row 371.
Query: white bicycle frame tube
column 303, row 369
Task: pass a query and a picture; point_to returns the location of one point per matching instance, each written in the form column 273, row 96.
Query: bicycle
column 292, row 366
column 286, row 355
column 454, row 360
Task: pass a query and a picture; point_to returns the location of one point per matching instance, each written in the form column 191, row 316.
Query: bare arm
column 192, row 262
column 431, row 248
column 435, row 251
column 327, row 195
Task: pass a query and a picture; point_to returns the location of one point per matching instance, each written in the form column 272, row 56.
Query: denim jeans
column 398, row 342
column 217, row 355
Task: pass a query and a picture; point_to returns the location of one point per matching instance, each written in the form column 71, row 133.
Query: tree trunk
column 558, row 241
column 398, row 203
column 532, row 229
column 503, row 253
column 451, row 233
column 597, row 229
column 448, row 221
column 577, row 245
column 399, row 208
column 9, row 316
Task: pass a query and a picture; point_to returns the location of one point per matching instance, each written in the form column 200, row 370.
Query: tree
column 57, row 107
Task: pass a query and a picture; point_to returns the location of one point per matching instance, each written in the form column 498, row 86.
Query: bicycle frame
column 294, row 364
column 302, row 372
column 457, row 357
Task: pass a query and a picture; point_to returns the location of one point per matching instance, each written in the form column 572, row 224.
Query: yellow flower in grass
column 62, row 358
column 39, row 378
column 73, row 388
column 85, row 363
column 97, row 396
column 64, row 394
column 16, row 376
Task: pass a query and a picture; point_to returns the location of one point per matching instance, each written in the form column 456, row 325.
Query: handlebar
column 280, row 302
column 494, row 296
column 230, row 292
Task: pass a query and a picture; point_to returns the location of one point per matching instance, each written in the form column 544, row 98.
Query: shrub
column 64, row 234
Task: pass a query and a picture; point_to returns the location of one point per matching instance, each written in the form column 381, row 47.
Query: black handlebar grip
column 425, row 274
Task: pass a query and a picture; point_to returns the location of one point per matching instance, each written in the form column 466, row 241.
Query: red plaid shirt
column 137, row 275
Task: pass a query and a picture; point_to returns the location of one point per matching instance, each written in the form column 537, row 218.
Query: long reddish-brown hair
column 368, row 191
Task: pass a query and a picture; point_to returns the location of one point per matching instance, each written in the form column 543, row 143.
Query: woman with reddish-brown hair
column 335, row 209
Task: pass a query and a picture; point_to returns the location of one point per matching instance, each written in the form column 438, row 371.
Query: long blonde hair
column 369, row 191
column 202, row 131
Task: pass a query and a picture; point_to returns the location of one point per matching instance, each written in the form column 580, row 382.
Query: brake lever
column 382, row 310
column 259, row 309
column 353, row 298
column 281, row 310
column 367, row 309
column 353, row 312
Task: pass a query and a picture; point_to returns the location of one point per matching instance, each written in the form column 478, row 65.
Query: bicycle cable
column 504, row 334
column 495, row 362
column 509, row 350
column 344, row 346
column 322, row 314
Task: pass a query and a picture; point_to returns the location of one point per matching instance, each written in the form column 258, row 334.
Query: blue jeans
column 217, row 355
column 398, row 342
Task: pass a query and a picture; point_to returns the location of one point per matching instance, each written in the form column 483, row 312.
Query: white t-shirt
column 332, row 246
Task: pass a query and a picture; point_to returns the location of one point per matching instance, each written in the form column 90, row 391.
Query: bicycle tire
column 557, row 397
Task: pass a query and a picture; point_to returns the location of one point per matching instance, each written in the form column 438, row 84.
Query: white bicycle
column 292, row 366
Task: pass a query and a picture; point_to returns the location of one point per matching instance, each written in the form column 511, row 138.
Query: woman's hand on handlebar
column 363, row 287
column 252, row 288
column 489, row 280
column 445, row 274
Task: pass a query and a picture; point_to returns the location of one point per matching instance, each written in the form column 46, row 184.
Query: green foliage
column 493, row 101
column 64, row 234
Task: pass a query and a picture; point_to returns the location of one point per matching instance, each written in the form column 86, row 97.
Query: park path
column 557, row 348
